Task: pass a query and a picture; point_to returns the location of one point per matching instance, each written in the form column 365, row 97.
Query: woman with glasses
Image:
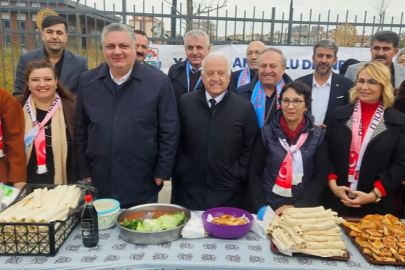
column 289, row 165
column 366, row 142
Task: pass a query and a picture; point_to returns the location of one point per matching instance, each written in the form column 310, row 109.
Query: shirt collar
column 328, row 82
column 123, row 79
column 217, row 99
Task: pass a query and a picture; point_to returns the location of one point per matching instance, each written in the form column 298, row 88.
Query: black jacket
column 214, row 152
column 384, row 159
column 178, row 77
column 124, row 138
column 339, row 92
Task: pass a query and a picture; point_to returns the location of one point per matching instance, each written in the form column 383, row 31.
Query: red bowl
column 224, row 231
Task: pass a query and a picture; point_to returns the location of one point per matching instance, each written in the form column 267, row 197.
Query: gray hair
column 329, row 44
column 117, row 27
column 272, row 49
column 197, row 34
column 219, row 56
column 400, row 53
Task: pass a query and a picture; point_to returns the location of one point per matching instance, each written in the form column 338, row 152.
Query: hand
column 88, row 179
column 403, row 182
column 280, row 210
column 339, row 191
column 19, row 185
column 158, row 181
column 360, row 199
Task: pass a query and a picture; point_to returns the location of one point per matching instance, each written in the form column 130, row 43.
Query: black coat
column 124, row 138
column 339, row 92
column 384, row 159
column 214, row 152
column 178, row 77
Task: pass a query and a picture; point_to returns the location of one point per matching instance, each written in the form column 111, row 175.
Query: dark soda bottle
column 89, row 223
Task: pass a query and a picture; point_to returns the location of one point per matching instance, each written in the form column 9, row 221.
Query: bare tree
column 381, row 7
column 200, row 8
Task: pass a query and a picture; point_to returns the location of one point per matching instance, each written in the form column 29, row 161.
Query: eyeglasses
column 295, row 102
column 249, row 53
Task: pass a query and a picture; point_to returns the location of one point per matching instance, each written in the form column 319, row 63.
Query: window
column 22, row 37
column 7, row 36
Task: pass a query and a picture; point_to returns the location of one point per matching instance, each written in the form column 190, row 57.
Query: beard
column 323, row 71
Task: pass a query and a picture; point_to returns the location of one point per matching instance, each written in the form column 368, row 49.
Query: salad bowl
column 154, row 237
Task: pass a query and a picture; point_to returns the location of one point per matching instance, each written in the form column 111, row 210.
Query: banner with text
column 298, row 58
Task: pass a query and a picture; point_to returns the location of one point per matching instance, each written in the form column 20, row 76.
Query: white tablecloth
column 248, row 252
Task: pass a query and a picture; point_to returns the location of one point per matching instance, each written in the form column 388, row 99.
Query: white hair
column 217, row 55
column 197, row 34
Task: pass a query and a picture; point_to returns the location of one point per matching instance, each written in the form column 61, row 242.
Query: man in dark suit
column 218, row 130
column 186, row 76
column 126, row 135
column 142, row 47
column 384, row 47
column 245, row 76
column 271, row 78
column 67, row 65
column 329, row 90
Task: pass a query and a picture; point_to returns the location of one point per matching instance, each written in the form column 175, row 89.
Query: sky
column 395, row 9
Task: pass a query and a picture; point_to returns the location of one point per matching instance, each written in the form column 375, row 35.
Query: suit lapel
column 310, row 82
column 66, row 66
column 40, row 54
column 334, row 90
column 381, row 128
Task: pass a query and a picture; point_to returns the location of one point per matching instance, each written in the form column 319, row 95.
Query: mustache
column 140, row 54
column 380, row 57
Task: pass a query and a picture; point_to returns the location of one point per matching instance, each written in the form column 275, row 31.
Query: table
column 248, row 252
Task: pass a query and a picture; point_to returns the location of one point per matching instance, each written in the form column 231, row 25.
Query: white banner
column 298, row 58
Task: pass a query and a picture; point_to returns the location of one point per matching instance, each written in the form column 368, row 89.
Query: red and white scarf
column 357, row 147
column 292, row 169
column 37, row 133
column 1, row 141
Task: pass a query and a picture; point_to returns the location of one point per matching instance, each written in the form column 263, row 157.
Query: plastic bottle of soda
column 89, row 223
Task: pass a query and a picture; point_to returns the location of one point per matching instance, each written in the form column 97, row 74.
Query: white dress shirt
column 123, row 79
column 217, row 99
column 320, row 99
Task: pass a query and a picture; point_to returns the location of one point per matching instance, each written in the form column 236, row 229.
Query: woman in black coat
column 291, row 132
column 366, row 142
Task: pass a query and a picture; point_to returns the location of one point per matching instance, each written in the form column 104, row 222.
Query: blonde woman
column 366, row 142
column 48, row 112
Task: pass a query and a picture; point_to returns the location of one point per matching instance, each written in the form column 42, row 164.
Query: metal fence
column 165, row 24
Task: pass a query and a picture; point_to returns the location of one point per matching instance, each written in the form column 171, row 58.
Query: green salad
column 165, row 222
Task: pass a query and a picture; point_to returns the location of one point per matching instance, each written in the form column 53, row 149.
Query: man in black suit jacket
column 142, row 47
column 186, row 75
column 67, row 65
column 248, row 74
column 329, row 90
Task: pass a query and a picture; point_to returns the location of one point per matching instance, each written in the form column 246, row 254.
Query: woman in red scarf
column 12, row 155
column 290, row 159
column 48, row 112
column 366, row 142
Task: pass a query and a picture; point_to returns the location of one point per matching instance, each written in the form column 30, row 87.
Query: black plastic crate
column 33, row 239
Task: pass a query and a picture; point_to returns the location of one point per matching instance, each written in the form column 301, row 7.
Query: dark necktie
column 213, row 102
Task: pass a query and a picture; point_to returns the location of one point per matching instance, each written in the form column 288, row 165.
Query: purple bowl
column 224, row 231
